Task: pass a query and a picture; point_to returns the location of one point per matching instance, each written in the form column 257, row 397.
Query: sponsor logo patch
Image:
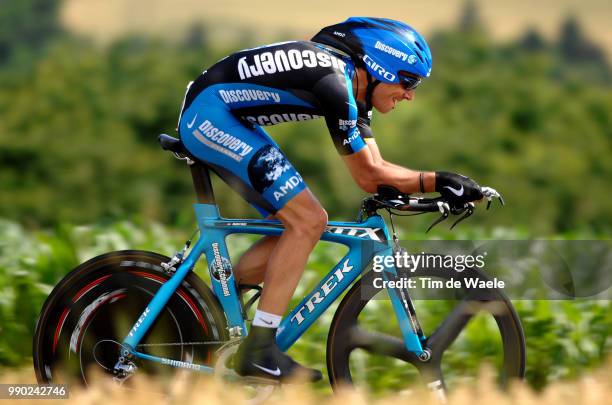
column 327, row 287
column 345, row 125
column 391, row 51
column 377, row 68
column 240, row 95
column 221, row 269
column 180, row 364
column 273, row 119
column 222, row 141
column 284, row 61
column 289, row 185
column 351, row 138
column 266, row 166
column 366, row 233
column 270, row 172
column 140, row 321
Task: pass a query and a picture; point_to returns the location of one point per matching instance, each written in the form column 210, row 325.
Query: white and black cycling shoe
column 259, row 356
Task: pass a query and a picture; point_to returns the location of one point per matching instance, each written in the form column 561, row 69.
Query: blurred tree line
column 78, row 124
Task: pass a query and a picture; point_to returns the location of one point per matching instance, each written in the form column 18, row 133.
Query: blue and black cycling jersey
column 225, row 107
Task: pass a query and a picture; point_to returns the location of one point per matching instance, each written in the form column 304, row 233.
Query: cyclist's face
column 386, row 96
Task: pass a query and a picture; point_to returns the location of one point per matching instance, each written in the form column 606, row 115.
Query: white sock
column 266, row 319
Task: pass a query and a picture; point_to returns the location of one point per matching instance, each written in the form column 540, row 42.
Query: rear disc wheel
column 91, row 311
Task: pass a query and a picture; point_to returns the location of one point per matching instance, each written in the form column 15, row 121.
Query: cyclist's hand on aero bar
column 457, row 189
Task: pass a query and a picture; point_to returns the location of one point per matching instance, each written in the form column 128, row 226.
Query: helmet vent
column 419, row 55
column 418, row 44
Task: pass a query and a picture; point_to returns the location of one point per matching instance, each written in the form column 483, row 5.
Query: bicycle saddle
column 170, row 143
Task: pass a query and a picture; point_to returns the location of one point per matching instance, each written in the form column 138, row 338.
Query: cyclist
column 341, row 74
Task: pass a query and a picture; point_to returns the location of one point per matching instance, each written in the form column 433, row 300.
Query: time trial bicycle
column 132, row 311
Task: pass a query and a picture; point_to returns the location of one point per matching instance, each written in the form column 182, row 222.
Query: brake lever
column 469, row 210
column 490, row 193
column 459, row 210
column 445, row 210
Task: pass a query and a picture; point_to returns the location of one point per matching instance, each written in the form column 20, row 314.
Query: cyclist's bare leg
column 304, row 220
column 251, row 267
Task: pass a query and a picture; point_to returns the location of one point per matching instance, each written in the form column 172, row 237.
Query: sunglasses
column 409, row 81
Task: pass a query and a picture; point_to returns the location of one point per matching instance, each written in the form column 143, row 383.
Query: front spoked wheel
column 481, row 327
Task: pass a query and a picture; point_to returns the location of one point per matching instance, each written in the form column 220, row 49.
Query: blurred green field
column 79, row 121
column 564, row 338
column 81, row 172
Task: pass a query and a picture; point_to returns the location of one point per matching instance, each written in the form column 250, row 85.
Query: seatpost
column 202, row 183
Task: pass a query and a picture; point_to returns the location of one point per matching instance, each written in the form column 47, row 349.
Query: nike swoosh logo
column 192, row 122
column 276, row 372
column 458, row 192
column 266, row 322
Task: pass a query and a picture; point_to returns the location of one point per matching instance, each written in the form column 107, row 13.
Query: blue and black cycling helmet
column 389, row 50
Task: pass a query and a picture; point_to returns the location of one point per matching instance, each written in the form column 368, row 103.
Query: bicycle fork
column 412, row 332
column 404, row 310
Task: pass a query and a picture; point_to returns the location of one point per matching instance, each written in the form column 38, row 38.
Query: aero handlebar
column 390, row 198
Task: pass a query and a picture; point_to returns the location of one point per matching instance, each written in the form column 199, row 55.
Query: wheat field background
column 594, row 389
column 269, row 19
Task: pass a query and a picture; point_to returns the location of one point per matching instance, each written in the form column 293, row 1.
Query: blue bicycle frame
column 364, row 240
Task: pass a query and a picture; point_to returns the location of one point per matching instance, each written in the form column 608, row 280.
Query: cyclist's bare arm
column 369, row 170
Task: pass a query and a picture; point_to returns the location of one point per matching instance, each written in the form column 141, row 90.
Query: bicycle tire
column 101, row 299
column 345, row 335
